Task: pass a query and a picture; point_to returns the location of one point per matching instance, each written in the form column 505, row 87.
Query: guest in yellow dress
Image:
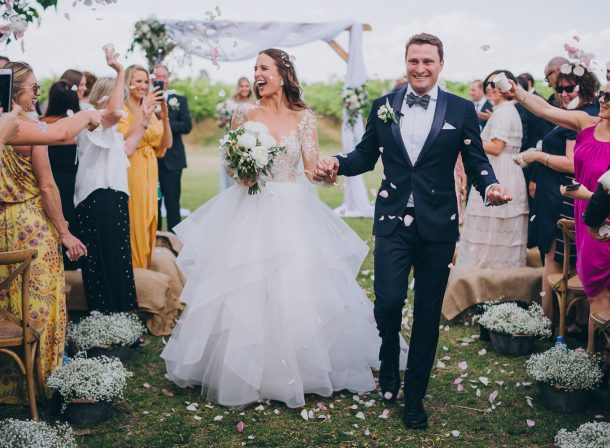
column 143, row 174
column 31, row 217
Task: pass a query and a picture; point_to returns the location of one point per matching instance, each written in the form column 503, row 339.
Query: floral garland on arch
column 152, row 37
column 354, row 102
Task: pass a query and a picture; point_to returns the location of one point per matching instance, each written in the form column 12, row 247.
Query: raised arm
column 575, row 120
column 112, row 113
column 32, row 133
column 52, row 201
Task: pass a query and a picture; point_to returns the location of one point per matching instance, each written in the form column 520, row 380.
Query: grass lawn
column 154, row 414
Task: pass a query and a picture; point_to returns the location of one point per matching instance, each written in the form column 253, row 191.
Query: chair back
column 569, row 236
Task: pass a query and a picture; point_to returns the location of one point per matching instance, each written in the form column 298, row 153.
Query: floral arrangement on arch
column 568, row 370
column 35, row 434
column 96, row 379
column 354, row 102
column 589, row 435
column 153, row 38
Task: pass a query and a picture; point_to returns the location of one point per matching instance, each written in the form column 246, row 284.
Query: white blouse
column 102, row 162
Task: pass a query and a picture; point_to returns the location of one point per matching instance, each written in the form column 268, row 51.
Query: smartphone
column 6, row 89
column 572, row 187
column 158, row 84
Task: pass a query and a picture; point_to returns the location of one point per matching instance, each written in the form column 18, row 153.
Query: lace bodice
column 301, row 142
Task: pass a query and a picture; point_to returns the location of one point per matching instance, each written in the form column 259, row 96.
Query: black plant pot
column 83, row 412
column 117, row 351
column 512, row 345
column 561, row 400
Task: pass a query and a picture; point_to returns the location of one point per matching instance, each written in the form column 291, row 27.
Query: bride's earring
column 281, row 82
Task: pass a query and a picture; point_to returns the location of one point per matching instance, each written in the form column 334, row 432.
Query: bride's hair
column 285, row 68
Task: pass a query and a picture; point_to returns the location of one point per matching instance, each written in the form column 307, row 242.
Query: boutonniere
column 173, row 103
column 386, row 113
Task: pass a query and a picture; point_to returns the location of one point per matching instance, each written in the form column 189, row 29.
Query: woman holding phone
column 31, row 217
column 143, row 175
column 555, row 167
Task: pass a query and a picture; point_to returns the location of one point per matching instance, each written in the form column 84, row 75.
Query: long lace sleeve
column 240, row 116
column 308, row 136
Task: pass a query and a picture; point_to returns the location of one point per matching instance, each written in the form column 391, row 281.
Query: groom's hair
column 425, row 38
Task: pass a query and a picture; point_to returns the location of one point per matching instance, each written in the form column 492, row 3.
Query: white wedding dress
column 273, row 308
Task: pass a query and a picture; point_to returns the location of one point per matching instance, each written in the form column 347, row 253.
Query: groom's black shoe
column 389, row 380
column 414, row 415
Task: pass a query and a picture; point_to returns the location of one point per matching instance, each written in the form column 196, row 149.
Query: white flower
column 589, row 435
column 509, row 318
column 260, row 156
column 97, row 379
column 579, row 70
column 571, row 370
column 247, row 141
column 255, row 127
column 173, row 103
column 105, row 329
column 267, row 141
column 386, row 113
column 145, row 28
column 29, row 433
column 566, row 69
column 224, row 140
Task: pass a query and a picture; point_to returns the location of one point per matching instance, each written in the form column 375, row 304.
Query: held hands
column 498, row 195
column 75, row 249
column 326, row 170
column 9, row 125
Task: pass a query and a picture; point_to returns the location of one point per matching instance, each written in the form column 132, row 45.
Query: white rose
column 260, row 156
column 246, row 141
column 145, row 28
column 255, row 127
column 267, row 141
column 173, row 103
column 224, row 140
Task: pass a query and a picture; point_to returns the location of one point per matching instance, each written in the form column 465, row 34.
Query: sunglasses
column 567, row 89
column 605, row 95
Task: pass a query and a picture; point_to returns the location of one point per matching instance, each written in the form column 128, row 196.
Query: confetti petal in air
column 381, row 218
column 453, row 217
column 103, row 99
column 467, row 141
column 451, row 266
column 485, row 47
column 408, row 220
column 383, row 194
column 484, row 173
column 392, row 185
column 67, row 16
column 70, row 113
column 381, row 149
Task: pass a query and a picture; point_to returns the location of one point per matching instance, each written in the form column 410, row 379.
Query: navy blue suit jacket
column 431, row 178
column 181, row 123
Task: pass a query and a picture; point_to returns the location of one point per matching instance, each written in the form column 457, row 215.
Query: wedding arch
column 224, row 40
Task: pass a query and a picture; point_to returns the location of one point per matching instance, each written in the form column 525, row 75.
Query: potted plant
column 35, row 434
column 565, row 378
column 512, row 329
column 590, row 435
column 105, row 334
column 86, row 387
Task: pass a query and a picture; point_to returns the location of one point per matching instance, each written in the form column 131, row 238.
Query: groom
column 418, row 131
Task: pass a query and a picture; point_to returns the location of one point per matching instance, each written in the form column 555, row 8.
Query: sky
column 522, row 35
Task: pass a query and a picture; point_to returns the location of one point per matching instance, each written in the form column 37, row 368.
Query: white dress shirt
column 415, row 125
column 478, row 105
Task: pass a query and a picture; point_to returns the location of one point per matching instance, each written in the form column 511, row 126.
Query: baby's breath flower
column 32, row 434
column 509, row 318
column 570, row 370
column 116, row 329
column 588, row 435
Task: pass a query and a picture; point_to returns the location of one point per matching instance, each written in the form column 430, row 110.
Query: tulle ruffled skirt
column 273, row 308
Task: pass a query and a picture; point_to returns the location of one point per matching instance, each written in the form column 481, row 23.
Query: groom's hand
column 326, row 170
column 498, row 195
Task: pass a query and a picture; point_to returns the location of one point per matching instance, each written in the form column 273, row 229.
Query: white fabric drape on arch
column 224, row 40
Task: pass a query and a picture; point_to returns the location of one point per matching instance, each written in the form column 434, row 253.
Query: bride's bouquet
column 249, row 151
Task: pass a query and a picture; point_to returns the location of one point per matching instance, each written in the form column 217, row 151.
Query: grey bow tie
column 423, row 101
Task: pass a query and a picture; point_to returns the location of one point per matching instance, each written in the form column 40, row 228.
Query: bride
column 273, row 308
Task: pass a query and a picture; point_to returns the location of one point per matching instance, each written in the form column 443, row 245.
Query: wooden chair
column 567, row 285
column 601, row 330
column 16, row 332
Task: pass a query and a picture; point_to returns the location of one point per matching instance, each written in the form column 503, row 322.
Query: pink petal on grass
column 385, row 414
column 463, row 365
column 599, row 417
column 460, row 387
column 458, row 380
column 530, row 423
column 240, row 426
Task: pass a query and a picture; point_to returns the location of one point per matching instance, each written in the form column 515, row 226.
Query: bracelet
column 546, row 159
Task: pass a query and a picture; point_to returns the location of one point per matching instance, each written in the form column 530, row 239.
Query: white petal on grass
column 305, row 414
column 146, row 385
column 360, row 415
column 463, row 365
column 192, row 407
column 530, row 423
column 484, row 380
column 441, row 365
column 259, row 408
column 478, row 392
column 455, row 433
column 482, row 352
column 493, row 396
column 385, row 414
column 529, row 402
column 197, row 417
column 218, row 418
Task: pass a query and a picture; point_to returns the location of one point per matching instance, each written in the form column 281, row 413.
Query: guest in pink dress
column 591, row 160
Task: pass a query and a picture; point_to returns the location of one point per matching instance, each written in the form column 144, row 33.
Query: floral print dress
column 24, row 224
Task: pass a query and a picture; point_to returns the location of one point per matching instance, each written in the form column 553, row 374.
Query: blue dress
column 549, row 204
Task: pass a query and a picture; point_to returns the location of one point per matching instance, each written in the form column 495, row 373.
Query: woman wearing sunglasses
column 591, row 157
column 575, row 89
